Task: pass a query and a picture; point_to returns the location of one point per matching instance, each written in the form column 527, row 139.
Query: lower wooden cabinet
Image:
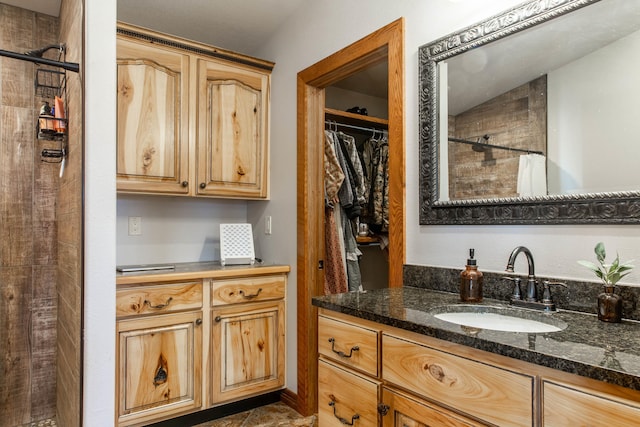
column 423, row 381
column 247, row 350
column 159, row 360
column 186, row 343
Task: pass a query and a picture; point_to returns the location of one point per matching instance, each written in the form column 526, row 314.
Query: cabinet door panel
column 159, row 361
column 247, row 350
column 232, row 131
column 405, row 411
column 152, row 101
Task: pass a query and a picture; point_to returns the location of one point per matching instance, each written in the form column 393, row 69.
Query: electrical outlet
column 267, row 225
column 135, row 226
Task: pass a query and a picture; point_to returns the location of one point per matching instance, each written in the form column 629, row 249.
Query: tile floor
column 43, row 423
column 273, row 415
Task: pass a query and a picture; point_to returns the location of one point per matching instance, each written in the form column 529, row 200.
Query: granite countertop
column 198, row 270
column 607, row 352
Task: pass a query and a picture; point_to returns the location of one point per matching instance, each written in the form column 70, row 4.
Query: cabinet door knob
column 218, row 319
column 383, row 409
column 203, row 185
column 185, row 183
column 198, row 322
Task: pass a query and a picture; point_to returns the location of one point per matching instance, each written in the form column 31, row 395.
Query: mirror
column 531, row 117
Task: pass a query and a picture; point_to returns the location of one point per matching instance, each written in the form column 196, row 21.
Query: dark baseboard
column 221, row 411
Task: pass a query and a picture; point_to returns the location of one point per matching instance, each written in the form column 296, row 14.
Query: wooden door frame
column 387, row 44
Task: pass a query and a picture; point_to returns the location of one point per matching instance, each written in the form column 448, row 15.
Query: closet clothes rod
column 371, row 129
column 500, row 147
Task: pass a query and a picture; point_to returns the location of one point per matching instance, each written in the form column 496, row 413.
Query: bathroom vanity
column 411, row 367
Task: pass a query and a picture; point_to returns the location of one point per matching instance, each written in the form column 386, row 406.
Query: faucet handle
column 546, row 292
column 517, row 293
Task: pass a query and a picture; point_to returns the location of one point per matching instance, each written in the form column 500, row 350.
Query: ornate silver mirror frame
column 593, row 208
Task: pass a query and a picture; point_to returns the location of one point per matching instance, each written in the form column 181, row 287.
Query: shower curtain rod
column 69, row 66
column 500, row 147
column 371, row 129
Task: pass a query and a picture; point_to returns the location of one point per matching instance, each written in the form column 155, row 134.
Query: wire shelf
column 49, row 83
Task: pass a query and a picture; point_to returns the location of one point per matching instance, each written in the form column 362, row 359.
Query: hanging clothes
column 376, row 159
column 335, row 277
column 344, row 200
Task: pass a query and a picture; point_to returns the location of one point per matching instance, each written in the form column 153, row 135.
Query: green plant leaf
column 610, row 274
column 591, row 266
column 601, row 254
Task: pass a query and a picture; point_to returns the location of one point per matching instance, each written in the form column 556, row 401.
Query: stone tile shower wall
column 516, row 119
column 28, row 231
column 70, row 219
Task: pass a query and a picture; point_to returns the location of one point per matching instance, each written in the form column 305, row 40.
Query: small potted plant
column 609, row 303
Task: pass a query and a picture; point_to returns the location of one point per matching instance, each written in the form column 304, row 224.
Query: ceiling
column 240, row 25
column 48, row 7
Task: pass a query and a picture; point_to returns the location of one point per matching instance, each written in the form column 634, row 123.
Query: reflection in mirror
column 531, row 116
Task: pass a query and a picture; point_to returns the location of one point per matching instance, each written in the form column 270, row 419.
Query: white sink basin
column 500, row 319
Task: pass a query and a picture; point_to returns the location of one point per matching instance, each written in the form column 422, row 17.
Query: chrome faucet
column 530, row 300
column 532, row 293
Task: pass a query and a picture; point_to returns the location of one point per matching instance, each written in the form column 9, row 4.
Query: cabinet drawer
column 350, row 344
column 563, row 406
column 345, row 397
column 247, row 289
column 158, row 298
column 490, row 393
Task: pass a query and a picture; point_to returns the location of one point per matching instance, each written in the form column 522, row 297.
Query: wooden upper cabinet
column 152, row 102
column 192, row 118
column 232, row 141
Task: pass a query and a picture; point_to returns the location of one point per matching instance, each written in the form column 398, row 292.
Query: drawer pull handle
column 343, row 420
column 342, row 353
column 250, row 296
column 159, row 306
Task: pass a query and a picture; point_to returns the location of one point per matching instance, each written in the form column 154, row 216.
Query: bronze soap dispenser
column 471, row 281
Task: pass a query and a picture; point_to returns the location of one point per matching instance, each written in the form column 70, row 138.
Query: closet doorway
column 384, row 45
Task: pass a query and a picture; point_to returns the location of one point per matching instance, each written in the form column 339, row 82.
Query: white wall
column 589, row 142
column 342, row 99
column 100, row 214
column 320, row 28
column 174, row 229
